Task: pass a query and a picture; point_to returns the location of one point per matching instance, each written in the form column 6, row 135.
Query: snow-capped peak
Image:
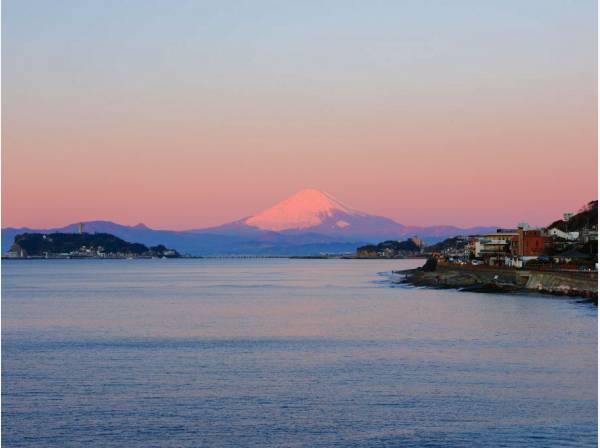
column 307, row 208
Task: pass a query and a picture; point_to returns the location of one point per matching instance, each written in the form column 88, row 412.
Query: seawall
column 488, row 279
column 566, row 283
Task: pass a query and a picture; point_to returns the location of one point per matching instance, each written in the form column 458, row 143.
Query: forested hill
column 390, row 248
column 457, row 243
column 586, row 218
column 83, row 244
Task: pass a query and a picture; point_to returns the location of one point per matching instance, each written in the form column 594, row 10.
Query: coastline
column 194, row 257
column 504, row 280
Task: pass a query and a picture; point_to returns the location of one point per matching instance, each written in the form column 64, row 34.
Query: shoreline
column 195, row 257
column 506, row 281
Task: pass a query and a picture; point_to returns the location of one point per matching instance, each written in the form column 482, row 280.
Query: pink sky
column 487, row 122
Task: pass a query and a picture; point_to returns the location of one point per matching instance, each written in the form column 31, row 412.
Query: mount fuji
column 315, row 212
column 307, row 223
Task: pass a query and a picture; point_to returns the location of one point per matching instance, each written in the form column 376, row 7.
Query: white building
column 570, row 236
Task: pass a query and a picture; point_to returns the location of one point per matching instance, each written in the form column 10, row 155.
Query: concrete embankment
column 487, row 279
column 568, row 283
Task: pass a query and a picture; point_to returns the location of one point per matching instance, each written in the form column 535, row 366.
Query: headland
column 484, row 278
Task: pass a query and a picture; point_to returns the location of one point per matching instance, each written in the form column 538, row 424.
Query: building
column 569, row 236
column 588, row 235
column 571, row 256
column 510, row 247
column 418, row 241
column 495, row 248
column 530, row 243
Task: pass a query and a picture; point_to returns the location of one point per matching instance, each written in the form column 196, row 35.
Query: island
column 409, row 248
column 82, row 245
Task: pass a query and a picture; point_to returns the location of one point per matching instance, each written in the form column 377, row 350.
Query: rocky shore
column 505, row 280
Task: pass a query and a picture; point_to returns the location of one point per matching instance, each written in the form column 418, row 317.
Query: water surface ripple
column 295, row 353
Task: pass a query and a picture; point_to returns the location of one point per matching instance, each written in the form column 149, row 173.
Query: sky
column 187, row 114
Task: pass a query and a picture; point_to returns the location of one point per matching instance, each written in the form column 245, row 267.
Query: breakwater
column 495, row 279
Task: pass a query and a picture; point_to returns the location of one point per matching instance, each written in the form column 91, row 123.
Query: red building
column 530, row 243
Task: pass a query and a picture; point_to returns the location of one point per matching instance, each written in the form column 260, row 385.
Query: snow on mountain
column 315, row 212
column 307, row 223
column 305, row 209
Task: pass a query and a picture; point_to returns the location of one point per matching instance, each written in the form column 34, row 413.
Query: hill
column 586, row 218
column 455, row 244
column 310, row 222
column 83, row 245
column 390, row 249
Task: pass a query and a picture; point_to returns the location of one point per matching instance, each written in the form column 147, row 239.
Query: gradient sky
column 185, row 114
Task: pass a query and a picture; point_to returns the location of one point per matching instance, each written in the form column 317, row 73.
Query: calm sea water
column 275, row 352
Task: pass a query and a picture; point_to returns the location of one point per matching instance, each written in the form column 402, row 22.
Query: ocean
column 286, row 353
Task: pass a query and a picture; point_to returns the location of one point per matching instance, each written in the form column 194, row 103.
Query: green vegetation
column 389, row 248
column 586, row 218
column 84, row 244
column 455, row 244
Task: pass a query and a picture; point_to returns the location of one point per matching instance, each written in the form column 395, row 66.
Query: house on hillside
column 569, row 236
column 588, row 235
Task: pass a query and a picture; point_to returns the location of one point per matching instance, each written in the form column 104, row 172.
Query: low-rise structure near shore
column 559, row 259
column 526, row 246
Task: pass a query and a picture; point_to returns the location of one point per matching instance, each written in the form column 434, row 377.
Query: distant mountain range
column 307, row 223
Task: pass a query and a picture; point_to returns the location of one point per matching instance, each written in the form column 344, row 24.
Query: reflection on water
column 275, row 352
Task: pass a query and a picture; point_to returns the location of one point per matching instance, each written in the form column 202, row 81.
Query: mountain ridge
column 306, row 223
column 322, row 213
